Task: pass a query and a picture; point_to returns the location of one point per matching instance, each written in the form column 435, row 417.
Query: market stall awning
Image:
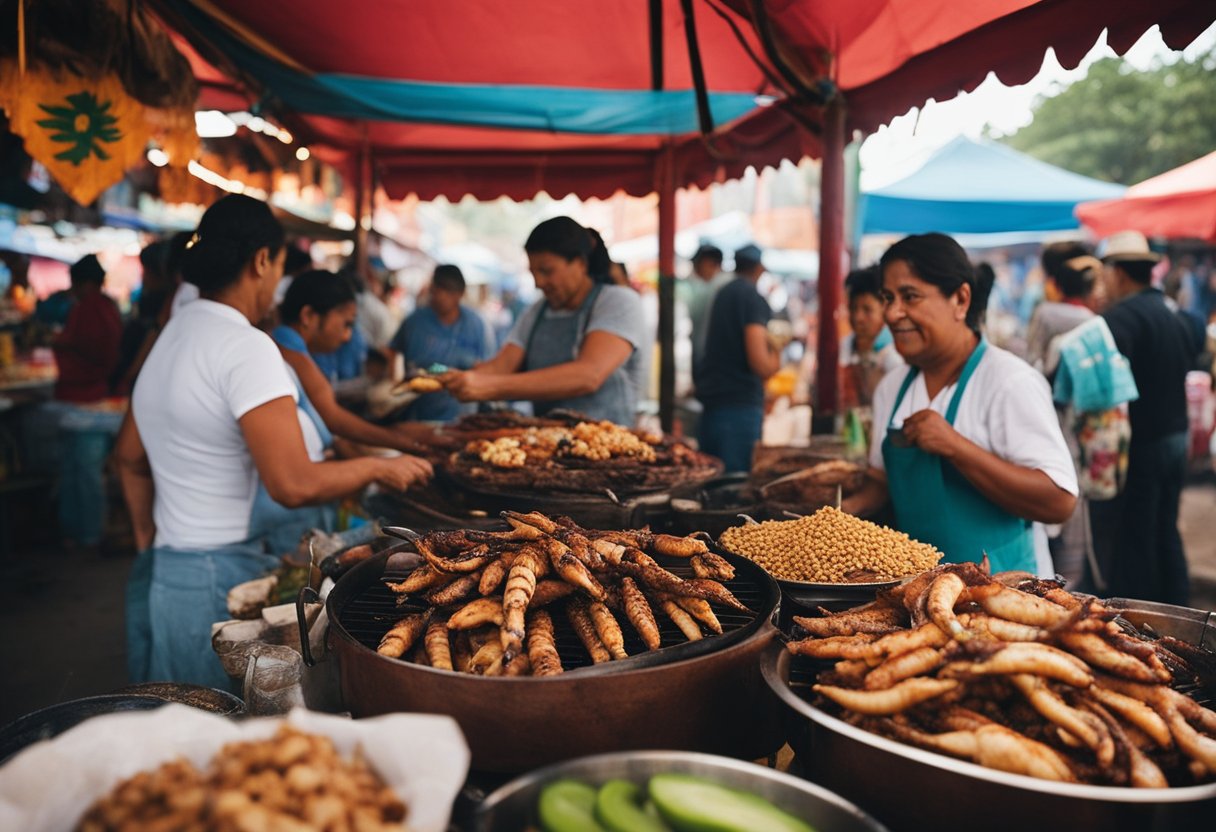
column 888, row 56
column 463, row 96
column 455, row 97
column 971, row 187
column 1180, row 203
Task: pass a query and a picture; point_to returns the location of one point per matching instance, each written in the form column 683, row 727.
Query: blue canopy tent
column 970, row 187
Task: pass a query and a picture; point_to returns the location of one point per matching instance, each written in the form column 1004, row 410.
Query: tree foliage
column 1124, row 125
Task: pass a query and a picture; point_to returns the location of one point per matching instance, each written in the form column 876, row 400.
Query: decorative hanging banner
column 86, row 131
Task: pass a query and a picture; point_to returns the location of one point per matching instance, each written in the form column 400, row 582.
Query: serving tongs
column 794, row 477
column 401, row 533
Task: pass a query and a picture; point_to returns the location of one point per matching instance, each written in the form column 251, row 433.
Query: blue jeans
column 86, row 437
column 139, row 624
column 1136, row 534
column 730, row 433
column 173, row 598
column 281, row 528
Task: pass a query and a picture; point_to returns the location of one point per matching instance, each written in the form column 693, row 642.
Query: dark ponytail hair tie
column 228, row 236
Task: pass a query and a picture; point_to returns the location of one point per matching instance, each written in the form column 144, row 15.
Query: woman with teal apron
column 984, row 459
column 578, row 347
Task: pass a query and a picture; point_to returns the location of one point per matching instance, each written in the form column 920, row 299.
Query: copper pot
column 702, row 696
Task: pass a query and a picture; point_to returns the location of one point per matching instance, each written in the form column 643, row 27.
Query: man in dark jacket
column 1147, row 559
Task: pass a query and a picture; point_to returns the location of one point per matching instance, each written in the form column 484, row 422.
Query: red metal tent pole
column 363, row 211
column 665, row 186
column 831, row 263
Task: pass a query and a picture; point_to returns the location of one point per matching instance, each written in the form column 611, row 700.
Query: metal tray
column 512, row 807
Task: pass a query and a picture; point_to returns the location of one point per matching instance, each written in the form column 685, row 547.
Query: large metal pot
column 912, row 789
column 513, row 807
column 713, row 700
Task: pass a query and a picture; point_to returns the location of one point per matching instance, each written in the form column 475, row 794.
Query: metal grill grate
column 372, row 611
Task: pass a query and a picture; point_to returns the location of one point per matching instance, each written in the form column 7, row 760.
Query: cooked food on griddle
column 586, row 456
column 507, row 588
column 593, row 441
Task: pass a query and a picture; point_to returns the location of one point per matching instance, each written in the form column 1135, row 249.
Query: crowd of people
column 1070, row 458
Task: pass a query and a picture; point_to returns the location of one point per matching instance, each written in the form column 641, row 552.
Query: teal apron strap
column 968, row 371
column 936, row 504
column 903, row 389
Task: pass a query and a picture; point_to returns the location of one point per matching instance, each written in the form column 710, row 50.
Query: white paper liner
column 49, row 786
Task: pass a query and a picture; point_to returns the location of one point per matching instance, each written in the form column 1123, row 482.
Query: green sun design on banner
column 86, row 124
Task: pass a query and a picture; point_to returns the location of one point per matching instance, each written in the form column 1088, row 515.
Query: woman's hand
column 471, row 385
column 929, row 431
column 399, row 473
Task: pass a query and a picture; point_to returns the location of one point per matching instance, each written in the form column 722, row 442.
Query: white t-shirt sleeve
column 1024, row 428
column 618, row 311
column 254, row 374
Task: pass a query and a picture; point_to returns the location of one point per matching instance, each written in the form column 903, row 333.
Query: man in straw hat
column 1141, row 524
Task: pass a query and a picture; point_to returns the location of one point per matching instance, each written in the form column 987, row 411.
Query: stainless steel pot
column 909, row 788
column 513, row 807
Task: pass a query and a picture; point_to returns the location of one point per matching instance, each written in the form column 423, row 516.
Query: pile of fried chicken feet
column 488, row 591
column 1016, row 674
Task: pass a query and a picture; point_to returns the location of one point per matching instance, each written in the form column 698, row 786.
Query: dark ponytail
column 985, row 279
column 321, row 290
column 567, row 239
column 941, row 261
column 1073, row 267
column 230, row 233
column 599, row 264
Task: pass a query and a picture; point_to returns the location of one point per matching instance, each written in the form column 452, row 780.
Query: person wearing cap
column 446, row 332
column 1141, row 524
column 739, row 356
column 699, row 291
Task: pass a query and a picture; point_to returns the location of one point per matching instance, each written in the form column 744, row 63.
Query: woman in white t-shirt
column 965, row 440
column 212, row 414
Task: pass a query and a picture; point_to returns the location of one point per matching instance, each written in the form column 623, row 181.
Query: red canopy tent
column 1180, row 203
column 405, row 83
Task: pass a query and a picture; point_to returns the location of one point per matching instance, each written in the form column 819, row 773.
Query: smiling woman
column 966, row 442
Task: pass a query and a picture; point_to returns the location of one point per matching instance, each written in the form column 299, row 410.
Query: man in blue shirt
column 443, row 332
